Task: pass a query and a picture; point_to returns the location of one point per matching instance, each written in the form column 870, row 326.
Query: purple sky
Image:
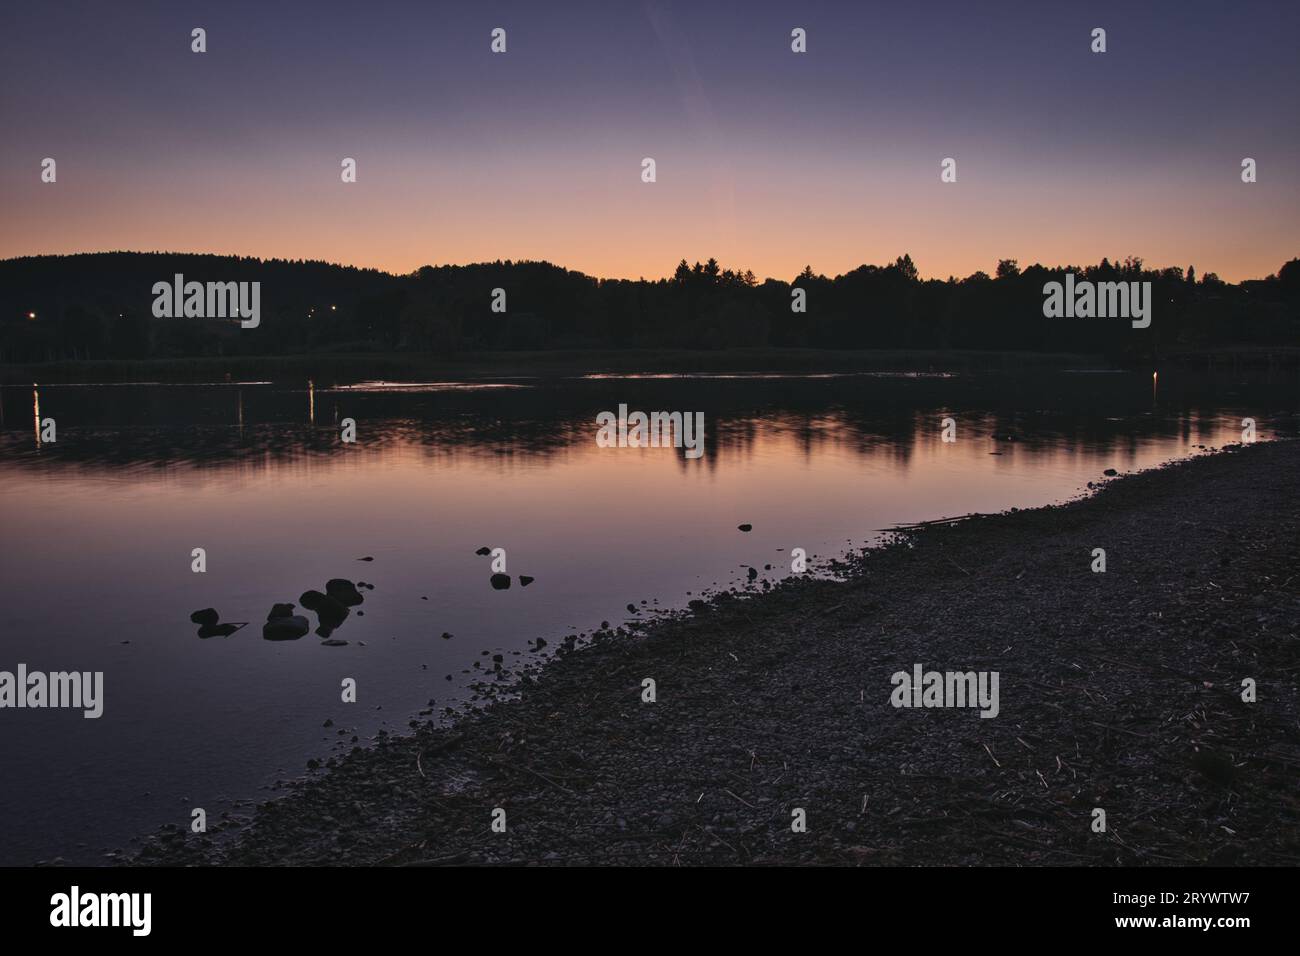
column 765, row 158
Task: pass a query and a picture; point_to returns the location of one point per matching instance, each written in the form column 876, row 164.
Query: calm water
column 99, row 529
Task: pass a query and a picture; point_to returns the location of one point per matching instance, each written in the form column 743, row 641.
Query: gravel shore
column 1119, row 690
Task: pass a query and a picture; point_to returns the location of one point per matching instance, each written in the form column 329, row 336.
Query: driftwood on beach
column 936, row 522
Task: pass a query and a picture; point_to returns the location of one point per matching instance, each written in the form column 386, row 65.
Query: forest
column 97, row 306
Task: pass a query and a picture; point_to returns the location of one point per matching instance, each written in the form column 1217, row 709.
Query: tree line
column 99, row 306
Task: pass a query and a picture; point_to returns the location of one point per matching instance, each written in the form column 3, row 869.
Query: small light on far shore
column 31, row 315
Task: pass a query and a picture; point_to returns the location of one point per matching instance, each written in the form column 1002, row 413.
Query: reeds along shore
column 1120, row 691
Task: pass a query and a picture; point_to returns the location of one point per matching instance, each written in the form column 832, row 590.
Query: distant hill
column 100, row 306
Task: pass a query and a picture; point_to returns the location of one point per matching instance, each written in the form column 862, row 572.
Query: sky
column 765, row 159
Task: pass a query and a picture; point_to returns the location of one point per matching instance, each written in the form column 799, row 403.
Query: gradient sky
column 767, row 160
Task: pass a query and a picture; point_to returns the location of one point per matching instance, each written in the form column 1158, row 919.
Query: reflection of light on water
column 166, row 384
column 311, row 401
column 1155, row 380
column 423, row 386
column 36, row 413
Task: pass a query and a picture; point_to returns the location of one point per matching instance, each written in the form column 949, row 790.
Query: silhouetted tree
column 99, row 306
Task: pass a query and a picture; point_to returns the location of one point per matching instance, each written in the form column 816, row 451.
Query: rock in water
column 327, row 608
column 501, row 582
column 280, row 610
column 745, row 527
column 525, row 580
column 207, row 617
column 218, row 630
column 343, row 591
column 286, row 628
column 483, row 551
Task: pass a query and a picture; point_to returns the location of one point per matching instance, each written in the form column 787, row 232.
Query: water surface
column 100, row 525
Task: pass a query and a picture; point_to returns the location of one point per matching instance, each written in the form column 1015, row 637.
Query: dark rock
column 343, row 591
column 525, row 580
column 330, row 611
column 280, row 610
column 446, row 636
column 1110, row 472
column 483, row 551
column 286, row 628
column 206, row 617
column 501, row 582
column 745, row 527
column 219, row 630
column 366, row 558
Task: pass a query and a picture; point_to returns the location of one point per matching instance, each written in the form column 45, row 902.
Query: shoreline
column 1118, row 690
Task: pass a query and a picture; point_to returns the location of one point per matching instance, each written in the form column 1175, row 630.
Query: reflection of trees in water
column 214, row 428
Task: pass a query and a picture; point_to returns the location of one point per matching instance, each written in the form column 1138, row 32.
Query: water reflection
column 102, row 525
column 146, row 428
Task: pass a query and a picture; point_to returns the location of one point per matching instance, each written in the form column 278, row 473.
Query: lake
column 100, row 527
